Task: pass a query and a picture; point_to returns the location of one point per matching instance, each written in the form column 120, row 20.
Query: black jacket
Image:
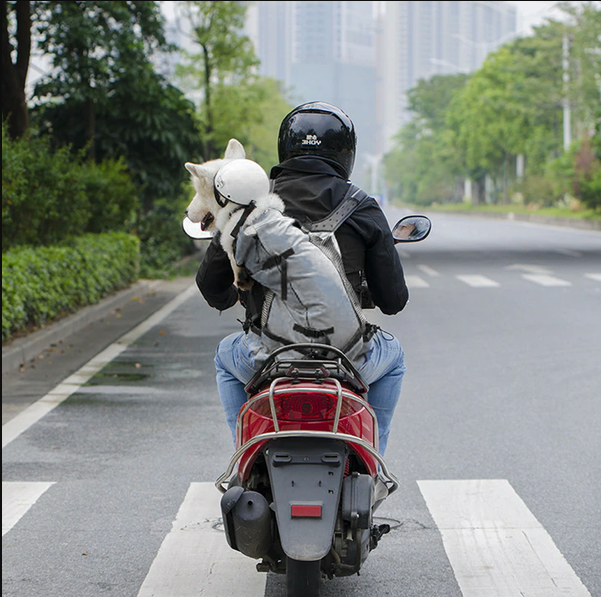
column 310, row 189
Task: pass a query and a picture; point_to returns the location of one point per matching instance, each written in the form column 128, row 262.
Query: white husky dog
column 212, row 215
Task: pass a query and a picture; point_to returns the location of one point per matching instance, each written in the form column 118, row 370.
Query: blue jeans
column 382, row 371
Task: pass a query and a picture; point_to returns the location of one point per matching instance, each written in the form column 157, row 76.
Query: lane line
column 17, row 498
column 195, row 559
column 496, row 546
column 545, row 280
column 33, row 413
column 478, row 281
column 596, row 277
column 416, row 282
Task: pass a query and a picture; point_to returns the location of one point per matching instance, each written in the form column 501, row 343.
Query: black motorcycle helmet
column 318, row 129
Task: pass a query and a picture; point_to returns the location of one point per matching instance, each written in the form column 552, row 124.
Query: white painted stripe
column 478, row 281
column 544, row 280
column 496, row 546
column 428, row 270
column 531, row 269
column 404, row 254
column 596, row 277
column 32, row 414
column 195, row 558
column 17, row 498
column 569, row 252
column 416, row 282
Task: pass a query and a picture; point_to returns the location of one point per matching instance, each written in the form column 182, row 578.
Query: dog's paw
column 243, row 280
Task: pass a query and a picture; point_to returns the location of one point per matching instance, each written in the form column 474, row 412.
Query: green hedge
column 44, row 283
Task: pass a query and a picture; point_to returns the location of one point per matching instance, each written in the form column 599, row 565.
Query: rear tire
column 303, row 579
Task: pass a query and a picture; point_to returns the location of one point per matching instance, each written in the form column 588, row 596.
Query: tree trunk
column 14, row 75
column 208, row 107
column 90, row 131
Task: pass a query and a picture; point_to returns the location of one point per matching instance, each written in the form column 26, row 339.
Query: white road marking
column 569, row 252
column 428, row 270
column 545, row 280
column 496, row 546
column 416, row 282
column 404, row 254
column 17, row 498
column 195, row 558
column 478, row 281
column 530, row 269
column 596, row 277
column 32, row 414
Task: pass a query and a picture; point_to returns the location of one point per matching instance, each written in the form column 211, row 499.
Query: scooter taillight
column 305, row 406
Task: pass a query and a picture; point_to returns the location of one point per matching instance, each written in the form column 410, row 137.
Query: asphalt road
column 503, row 393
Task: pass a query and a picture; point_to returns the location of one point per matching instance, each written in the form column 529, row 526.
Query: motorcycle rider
column 317, row 147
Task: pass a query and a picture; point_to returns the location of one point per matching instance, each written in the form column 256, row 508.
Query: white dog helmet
column 241, row 182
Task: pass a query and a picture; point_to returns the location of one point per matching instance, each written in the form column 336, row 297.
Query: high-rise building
column 323, row 51
column 422, row 39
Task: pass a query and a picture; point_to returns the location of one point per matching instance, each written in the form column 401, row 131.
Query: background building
column 421, row 39
column 323, row 51
column 365, row 56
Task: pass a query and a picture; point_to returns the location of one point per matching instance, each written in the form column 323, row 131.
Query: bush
column 163, row 241
column 48, row 196
column 43, row 194
column 42, row 284
column 112, row 196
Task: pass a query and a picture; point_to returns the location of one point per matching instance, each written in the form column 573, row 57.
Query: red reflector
column 305, row 511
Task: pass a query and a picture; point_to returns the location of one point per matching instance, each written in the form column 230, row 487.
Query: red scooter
column 300, row 491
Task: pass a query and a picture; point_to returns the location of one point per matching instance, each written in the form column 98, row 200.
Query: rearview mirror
column 195, row 231
column 411, row 229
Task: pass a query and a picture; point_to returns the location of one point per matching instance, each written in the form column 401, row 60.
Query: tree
column 422, row 167
column 226, row 57
column 93, row 44
column 14, row 70
column 148, row 122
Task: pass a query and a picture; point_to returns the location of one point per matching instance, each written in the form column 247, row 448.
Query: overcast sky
column 535, row 13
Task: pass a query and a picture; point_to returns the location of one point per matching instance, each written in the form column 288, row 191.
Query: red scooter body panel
column 313, row 408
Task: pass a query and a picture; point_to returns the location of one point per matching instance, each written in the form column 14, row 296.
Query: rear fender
column 306, row 477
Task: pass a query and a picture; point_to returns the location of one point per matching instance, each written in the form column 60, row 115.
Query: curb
column 23, row 349
column 532, row 218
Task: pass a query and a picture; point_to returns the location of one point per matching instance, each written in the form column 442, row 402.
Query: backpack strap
column 351, row 201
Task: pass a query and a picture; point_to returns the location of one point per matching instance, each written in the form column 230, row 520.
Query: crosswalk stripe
column 545, row 280
column 478, row 281
column 428, row 270
column 17, row 498
column 596, row 277
column 496, row 546
column 195, row 559
column 416, row 282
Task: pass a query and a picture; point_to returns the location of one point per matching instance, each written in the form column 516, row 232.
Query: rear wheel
column 303, row 579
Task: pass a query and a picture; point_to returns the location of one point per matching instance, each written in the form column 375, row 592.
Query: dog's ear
column 195, row 169
column 234, row 150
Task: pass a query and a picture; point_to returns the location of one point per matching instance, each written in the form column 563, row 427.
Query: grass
column 554, row 212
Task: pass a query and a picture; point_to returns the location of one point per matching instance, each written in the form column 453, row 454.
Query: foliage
column 252, row 113
column 41, row 284
column 148, row 123
column 513, row 105
column 49, row 196
column 163, row 242
column 423, row 167
column 578, row 173
column 92, row 45
column 225, row 57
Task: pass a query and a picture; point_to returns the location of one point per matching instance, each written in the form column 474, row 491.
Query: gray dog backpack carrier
column 308, row 297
